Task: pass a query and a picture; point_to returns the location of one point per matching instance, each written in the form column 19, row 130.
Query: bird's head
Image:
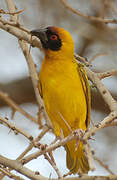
column 55, row 41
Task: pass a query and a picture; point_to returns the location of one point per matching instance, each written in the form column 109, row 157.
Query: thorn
column 13, row 113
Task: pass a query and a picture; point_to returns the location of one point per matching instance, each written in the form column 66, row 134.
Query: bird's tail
column 76, row 159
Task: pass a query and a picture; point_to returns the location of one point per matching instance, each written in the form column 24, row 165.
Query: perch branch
column 50, row 147
column 19, row 33
column 72, row 136
column 109, row 100
column 17, row 166
column 9, row 174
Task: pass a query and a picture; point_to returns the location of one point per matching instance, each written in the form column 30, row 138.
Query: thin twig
column 112, row 116
column 92, row 18
column 51, row 147
column 53, row 165
column 103, row 75
column 15, row 107
column 103, row 165
column 13, row 13
column 89, row 156
column 29, row 148
column 14, row 128
column 97, row 55
column 44, row 131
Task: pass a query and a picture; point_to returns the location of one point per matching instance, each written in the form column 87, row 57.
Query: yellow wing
column 86, row 89
column 76, row 160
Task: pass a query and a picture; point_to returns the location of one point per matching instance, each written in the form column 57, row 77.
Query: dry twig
column 15, row 107
column 97, row 55
column 44, row 131
column 51, row 147
column 16, row 165
column 30, row 62
column 14, row 128
column 52, row 162
column 103, row 75
column 13, row 13
column 9, row 174
column 92, row 18
column 89, row 156
column 103, row 165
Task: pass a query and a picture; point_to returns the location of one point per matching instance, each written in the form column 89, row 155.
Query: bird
column 65, row 90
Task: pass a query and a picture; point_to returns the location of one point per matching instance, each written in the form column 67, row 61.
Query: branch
column 103, row 165
column 72, row 136
column 33, row 74
column 109, row 100
column 107, row 74
column 9, row 174
column 53, row 164
column 15, row 107
column 89, row 156
column 14, row 128
column 100, row 125
column 29, row 148
column 44, row 131
column 97, row 55
column 50, row 147
column 4, row 12
column 31, row 65
column 92, row 18
column 14, row 164
column 86, row 177
column 17, row 166
column 19, row 33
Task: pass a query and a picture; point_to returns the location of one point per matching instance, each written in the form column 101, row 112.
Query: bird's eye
column 54, row 37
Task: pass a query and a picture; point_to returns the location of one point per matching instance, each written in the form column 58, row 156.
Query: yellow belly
column 64, row 98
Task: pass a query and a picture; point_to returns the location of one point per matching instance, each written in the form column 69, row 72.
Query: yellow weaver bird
column 64, row 87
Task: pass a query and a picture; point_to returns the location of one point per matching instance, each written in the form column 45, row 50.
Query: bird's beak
column 41, row 34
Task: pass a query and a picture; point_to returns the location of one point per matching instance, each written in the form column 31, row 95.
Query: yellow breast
column 63, row 95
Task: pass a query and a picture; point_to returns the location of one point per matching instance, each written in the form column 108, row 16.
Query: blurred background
column 91, row 38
